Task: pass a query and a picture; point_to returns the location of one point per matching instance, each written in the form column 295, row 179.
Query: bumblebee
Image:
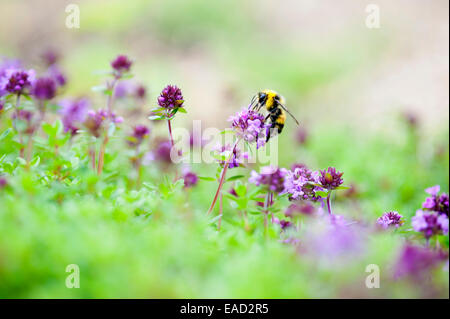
column 274, row 104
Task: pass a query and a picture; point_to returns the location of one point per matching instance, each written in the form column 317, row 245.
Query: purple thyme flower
column 17, row 81
column 298, row 183
column 95, row 119
column 56, row 74
column 3, row 182
column 121, row 64
column 27, row 117
column 160, row 153
column 416, row 261
column 297, row 209
column 285, row 224
column 73, row 113
column 139, row 133
column 171, row 98
column 44, row 88
column 249, row 125
column 390, row 219
column 50, row 57
column 190, row 179
column 301, row 135
column 238, row 157
column 271, row 177
column 430, row 223
column 330, row 178
column 140, row 92
column 437, row 203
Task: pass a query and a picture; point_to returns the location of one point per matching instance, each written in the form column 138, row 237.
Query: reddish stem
column 101, row 155
column 220, row 211
column 222, row 178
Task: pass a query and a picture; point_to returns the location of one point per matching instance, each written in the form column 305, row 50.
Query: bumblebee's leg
column 269, row 130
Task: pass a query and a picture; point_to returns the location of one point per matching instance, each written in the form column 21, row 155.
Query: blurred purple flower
column 57, row 75
column 296, row 209
column 73, row 113
column 190, row 179
column 271, row 177
column 27, row 117
column 301, row 135
column 298, row 183
column 50, row 57
column 121, row 64
column 162, row 152
column 416, row 261
column 330, row 178
column 139, row 133
column 390, row 219
column 140, row 92
column 437, row 203
column 44, row 88
column 95, row 119
column 16, row 81
column 3, row 182
column 430, row 223
column 249, row 125
column 170, row 98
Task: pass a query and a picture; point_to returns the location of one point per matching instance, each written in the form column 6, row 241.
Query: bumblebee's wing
column 284, row 108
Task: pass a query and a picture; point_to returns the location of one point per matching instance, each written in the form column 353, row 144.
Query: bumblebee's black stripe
column 274, row 115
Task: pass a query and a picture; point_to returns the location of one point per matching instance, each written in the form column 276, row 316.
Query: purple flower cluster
column 50, row 57
column 95, row 119
column 3, row 182
column 139, row 133
column 73, row 113
column 296, row 209
column 27, row 117
column 121, row 64
column 249, row 125
column 390, row 219
column 436, row 202
column 298, row 183
column 16, row 81
column 330, row 178
column 416, row 261
column 271, row 177
column 190, row 179
column 430, row 223
column 44, row 88
column 170, row 98
column 238, row 157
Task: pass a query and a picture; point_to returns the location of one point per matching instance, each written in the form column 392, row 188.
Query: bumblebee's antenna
column 252, row 102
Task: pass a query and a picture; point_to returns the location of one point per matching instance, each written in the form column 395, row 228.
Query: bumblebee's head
column 262, row 97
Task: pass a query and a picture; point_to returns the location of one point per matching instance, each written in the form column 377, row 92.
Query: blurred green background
column 352, row 88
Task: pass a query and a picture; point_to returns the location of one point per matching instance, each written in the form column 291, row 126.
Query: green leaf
column 156, row 117
column 35, row 162
column 321, row 193
column 343, row 187
column 235, row 177
column 182, row 110
column 5, row 133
